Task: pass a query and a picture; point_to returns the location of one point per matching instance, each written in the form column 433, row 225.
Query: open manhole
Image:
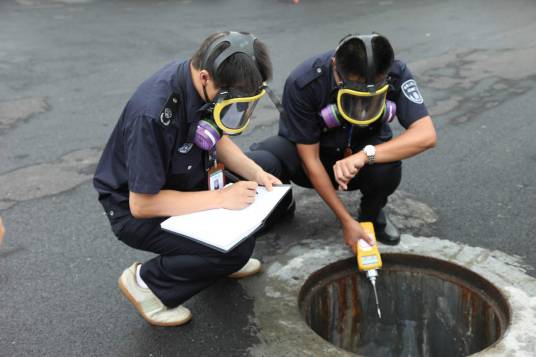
column 429, row 307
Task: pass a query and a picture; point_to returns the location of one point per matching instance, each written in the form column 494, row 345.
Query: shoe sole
column 244, row 275
column 133, row 301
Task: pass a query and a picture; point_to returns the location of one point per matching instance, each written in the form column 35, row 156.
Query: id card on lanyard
column 216, row 179
column 348, row 149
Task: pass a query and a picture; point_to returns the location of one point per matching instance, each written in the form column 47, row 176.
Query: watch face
column 369, row 150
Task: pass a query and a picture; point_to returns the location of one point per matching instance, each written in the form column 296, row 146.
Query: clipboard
column 223, row 229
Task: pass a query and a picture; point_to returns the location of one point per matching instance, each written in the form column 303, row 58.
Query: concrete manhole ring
column 283, row 331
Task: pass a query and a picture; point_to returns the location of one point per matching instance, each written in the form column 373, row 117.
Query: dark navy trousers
column 182, row 268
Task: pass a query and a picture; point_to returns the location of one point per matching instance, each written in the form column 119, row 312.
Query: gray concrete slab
column 68, row 67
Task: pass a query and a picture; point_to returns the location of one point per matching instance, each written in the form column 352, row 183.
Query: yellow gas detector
column 369, row 259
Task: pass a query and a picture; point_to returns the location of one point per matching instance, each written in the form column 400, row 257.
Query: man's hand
column 265, row 179
column 352, row 232
column 239, row 195
column 346, row 169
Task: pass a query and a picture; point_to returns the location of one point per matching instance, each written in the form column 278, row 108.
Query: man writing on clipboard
column 166, row 152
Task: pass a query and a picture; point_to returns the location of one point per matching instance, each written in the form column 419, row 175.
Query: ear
column 204, row 76
column 334, row 65
column 338, row 79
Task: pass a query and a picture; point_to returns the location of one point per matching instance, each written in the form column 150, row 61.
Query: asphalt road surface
column 67, row 67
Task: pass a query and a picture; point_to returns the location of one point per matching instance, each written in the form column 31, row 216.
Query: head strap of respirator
column 238, row 42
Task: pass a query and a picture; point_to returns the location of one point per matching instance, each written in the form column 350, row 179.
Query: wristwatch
column 370, row 151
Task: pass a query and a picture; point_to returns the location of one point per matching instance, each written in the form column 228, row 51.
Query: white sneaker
column 252, row 267
column 148, row 305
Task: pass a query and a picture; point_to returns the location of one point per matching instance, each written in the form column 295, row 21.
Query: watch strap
column 370, row 151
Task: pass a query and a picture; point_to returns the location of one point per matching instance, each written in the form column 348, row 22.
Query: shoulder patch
column 411, row 91
column 170, row 110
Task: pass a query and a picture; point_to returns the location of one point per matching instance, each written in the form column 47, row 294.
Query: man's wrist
column 251, row 170
column 362, row 156
column 256, row 171
column 347, row 219
column 219, row 198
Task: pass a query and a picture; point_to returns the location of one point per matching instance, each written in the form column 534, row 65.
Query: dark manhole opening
column 429, row 307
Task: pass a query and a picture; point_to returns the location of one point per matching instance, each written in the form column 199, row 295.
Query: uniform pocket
column 117, row 215
column 187, row 170
column 184, row 163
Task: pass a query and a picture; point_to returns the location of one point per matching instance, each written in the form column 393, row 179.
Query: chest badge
column 185, row 148
column 165, row 117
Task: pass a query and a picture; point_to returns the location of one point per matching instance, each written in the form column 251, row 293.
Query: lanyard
column 349, row 140
column 211, row 159
column 348, row 149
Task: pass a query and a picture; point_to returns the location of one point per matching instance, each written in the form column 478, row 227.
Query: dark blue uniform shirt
column 311, row 87
column 146, row 152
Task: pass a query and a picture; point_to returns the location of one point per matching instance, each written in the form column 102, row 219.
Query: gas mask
column 227, row 114
column 230, row 111
column 360, row 103
column 332, row 118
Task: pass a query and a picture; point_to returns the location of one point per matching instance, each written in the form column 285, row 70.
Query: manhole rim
column 339, row 266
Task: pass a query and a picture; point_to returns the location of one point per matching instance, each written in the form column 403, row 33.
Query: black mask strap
column 238, row 42
column 275, row 99
column 205, row 94
column 370, row 75
column 371, row 66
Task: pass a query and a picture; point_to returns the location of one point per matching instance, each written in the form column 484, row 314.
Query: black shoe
column 386, row 232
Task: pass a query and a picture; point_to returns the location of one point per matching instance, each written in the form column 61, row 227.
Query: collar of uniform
column 192, row 101
column 324, row 64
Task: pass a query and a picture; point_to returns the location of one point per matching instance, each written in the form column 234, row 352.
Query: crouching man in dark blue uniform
column 334, row 130
column 156, row 165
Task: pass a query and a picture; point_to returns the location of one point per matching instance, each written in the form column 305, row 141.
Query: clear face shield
column 232, row 112
column 361, row 107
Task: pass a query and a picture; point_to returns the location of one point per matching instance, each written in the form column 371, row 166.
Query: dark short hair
column 351, row 58
column 238, row 70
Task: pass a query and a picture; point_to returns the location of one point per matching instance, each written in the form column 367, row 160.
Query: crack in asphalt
column 47, row 179
column 467, row 82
